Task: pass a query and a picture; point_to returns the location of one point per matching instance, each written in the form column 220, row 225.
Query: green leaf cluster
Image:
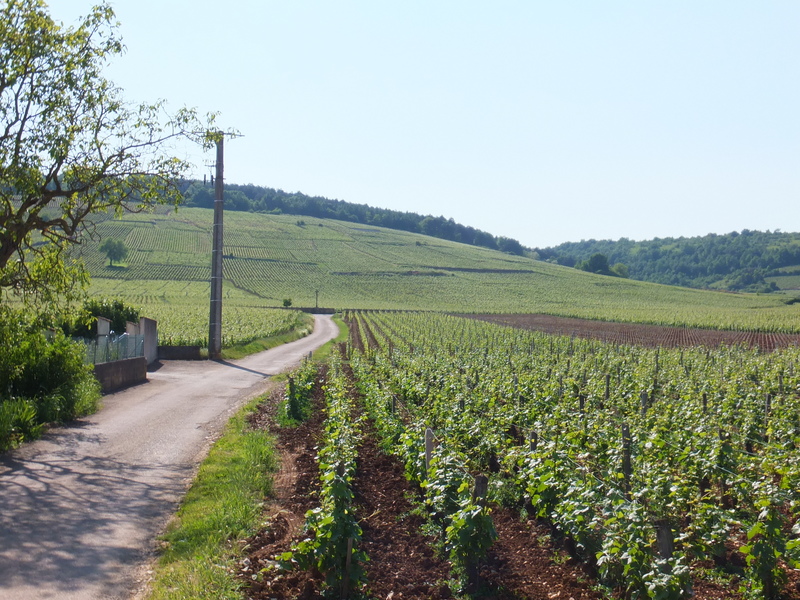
column 113, row 309
column 71, row 148
column 332, row 527
column 299, row 388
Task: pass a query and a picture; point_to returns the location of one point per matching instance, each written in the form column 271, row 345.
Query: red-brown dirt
column 642, row 335
column 295, row 491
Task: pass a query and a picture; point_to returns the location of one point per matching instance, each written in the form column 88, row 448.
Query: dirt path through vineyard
column 80, row 508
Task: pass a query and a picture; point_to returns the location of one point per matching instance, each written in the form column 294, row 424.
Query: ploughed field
column 652, row 336
column 610, row 469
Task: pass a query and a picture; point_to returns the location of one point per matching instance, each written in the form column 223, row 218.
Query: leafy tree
column 71, row 147
column 287, row 302
column 114, row 250
column 597, row 263
column 512, row 246
column 621, row 270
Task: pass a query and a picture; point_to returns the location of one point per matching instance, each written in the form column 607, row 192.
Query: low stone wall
column 121, row 373
column 179, row 353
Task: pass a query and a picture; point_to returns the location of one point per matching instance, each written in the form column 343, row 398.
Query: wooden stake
column 481, row 489
column 664, row 539
column 348, row 564
column 626, row 460
column 428, row 449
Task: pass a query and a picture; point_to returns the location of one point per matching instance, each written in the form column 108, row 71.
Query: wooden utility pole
column 215, row 316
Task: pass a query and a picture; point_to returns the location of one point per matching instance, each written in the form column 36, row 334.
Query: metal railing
column 108, row 348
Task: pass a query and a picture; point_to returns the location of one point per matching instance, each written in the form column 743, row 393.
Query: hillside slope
column 269, row 258
column 259, row 199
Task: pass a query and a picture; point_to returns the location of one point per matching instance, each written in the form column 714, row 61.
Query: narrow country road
column 80, row 509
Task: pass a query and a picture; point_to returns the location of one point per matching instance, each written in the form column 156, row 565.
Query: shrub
column 43, row 379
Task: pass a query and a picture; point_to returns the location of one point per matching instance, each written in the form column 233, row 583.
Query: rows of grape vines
column 648, row 459
column 187, row 324
column 189, row 241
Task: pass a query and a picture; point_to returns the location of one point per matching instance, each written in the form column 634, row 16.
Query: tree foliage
column 734, row 261
column 70, row 146
column 113, row 309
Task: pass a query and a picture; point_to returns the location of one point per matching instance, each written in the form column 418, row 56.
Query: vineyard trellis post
column 428, row 448
column 479, row 492
column 664, row 537
column 348, row 567
column 626, row 460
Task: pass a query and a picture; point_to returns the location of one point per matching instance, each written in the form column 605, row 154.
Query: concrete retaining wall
column 149, row 329
column 121, row 373
column 179, row 353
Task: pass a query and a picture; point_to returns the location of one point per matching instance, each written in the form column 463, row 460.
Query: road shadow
column 62, row 516
column 241, row 368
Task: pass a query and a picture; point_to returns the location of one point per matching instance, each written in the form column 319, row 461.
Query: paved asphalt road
column 80, row 509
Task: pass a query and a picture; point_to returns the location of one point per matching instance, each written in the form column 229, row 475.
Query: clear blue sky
column 543, row 121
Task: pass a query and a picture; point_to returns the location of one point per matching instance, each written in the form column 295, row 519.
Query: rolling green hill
column 259, row 199
column 269, row 258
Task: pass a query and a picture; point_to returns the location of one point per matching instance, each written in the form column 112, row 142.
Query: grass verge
column 223, row 506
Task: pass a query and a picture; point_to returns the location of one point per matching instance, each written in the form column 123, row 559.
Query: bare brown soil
column 642, row 335
column 526, row 562
column 295, row 491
